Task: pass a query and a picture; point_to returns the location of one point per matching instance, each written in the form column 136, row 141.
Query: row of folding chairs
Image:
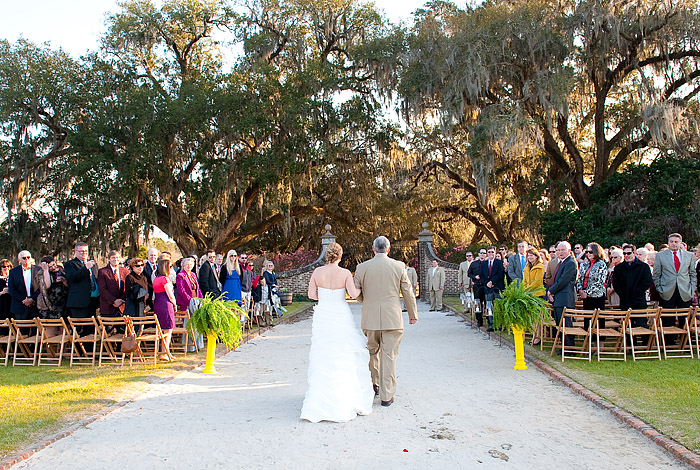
column 86, row 340
column 612, row 334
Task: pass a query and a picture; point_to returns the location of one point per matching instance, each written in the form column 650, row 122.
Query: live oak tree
column 584, row 86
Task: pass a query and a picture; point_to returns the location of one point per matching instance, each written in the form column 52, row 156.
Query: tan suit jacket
column 381, row 280
column 437, row 280
column 462, row 276
column 412, row 276
column 667, row 280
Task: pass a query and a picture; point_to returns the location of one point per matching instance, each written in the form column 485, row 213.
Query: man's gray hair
column 566, row 244
column 381, row 244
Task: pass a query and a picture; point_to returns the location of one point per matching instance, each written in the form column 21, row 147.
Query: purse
column 129, row 342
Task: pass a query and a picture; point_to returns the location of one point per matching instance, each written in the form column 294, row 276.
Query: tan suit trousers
column 383, row 348
column 436, row 299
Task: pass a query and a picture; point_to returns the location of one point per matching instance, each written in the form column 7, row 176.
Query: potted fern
column 218, row 319
column 519, row 308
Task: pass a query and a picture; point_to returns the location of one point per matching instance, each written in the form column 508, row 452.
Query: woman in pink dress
column 164, row 305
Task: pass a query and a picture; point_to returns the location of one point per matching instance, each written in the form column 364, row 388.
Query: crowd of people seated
column 624, row 277
column 78, row 287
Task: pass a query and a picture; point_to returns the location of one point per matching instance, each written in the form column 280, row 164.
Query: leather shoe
column 376, row 390
column 431, row 310
column 388, row 403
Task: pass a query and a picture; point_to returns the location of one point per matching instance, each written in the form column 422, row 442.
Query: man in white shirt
column 22, row 287
column 517, row 262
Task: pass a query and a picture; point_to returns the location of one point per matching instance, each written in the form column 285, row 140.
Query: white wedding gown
column 340, row 384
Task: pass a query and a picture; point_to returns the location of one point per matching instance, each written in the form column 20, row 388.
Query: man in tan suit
column 381, row 281
column 436, row 285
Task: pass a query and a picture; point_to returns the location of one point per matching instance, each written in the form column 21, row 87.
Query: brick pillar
column 425, row 240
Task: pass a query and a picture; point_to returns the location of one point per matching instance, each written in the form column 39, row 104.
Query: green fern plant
column 220, row 318
column 519, row 307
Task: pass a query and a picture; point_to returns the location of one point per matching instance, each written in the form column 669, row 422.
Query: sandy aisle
column 453, row 383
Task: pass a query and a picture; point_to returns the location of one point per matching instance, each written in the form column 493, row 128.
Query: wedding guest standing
column 269, row 275
column 517, row 262
column 23, row 288
column 246, row 282
column 5, row 297
column 616, row 255
column 590, row 284
column 436, row 285
column 562, row 291
column 631, row 280
column 111, row 281
column 53, row 292
column 230, row 278
column 164, row 305
column 208, row 280
column 82, row 282
column 136, row 287
column 493, row 276
column 533, row 274
column 148, row 270
column 186, row 285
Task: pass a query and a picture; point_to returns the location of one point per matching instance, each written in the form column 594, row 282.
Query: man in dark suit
column 474, row 273
column 631, row 281
column 81, row 274
column 493, row 276
column 148, row 269
column 208, row 280
column 22, row 287
column 111, row 282
column 562, row 291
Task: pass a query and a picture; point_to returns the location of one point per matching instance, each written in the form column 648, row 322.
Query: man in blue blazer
column 493, row 276
column 22, row 287
column 562, row 292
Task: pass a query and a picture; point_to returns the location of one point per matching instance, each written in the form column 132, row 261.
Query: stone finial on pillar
column 426, row 235
column 327, row 238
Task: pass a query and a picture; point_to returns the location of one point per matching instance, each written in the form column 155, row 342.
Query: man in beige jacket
column 381, row 281
column 436, row 285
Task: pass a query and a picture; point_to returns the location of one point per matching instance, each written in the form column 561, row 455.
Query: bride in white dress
column 340, row 385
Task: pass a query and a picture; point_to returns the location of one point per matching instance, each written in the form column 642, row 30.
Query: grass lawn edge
column 26, row 452
column 671, row 446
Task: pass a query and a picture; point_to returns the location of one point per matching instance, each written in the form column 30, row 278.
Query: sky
column 76, row 25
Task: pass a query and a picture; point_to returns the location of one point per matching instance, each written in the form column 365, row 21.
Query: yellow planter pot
column 519, row 349
column 211, row 354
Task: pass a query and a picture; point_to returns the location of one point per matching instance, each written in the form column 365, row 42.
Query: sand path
column 459, row 404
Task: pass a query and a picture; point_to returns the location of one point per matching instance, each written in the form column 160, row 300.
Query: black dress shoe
column 388, row 403
column 376, row 390
column 431, row 310
column 489, row 329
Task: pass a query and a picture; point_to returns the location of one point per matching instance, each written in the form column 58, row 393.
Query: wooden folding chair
column 684, row 348
column 79, row 354
column 577, row 317
column 54, row 344
column 147, row 331
column 547, row 331
column 6, row 340
column 111, row 336
column 650, row 331
column 611, row 341
column 694, row 327
column 184, row 330
column 26, row 344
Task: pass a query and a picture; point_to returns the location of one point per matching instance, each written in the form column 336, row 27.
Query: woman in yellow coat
column 533, row 276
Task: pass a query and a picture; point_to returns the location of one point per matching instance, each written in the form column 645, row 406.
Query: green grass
column 38, row 401
column 664, row 394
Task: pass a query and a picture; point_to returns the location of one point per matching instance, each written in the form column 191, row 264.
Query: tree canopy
column 254, row 124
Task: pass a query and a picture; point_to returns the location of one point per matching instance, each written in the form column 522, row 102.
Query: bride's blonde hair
column 334, row 252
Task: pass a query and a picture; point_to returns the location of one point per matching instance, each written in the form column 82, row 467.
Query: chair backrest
column 613, row 315
column 18, row 324
column 650, row 314
column 110, row 322
column 578, row 313
column 148, row 321
column 6, row 323
column 44, row 323
column 676, row 312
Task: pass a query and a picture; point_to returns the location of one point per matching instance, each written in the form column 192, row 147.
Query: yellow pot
column 211, row 354
column 519, row 349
